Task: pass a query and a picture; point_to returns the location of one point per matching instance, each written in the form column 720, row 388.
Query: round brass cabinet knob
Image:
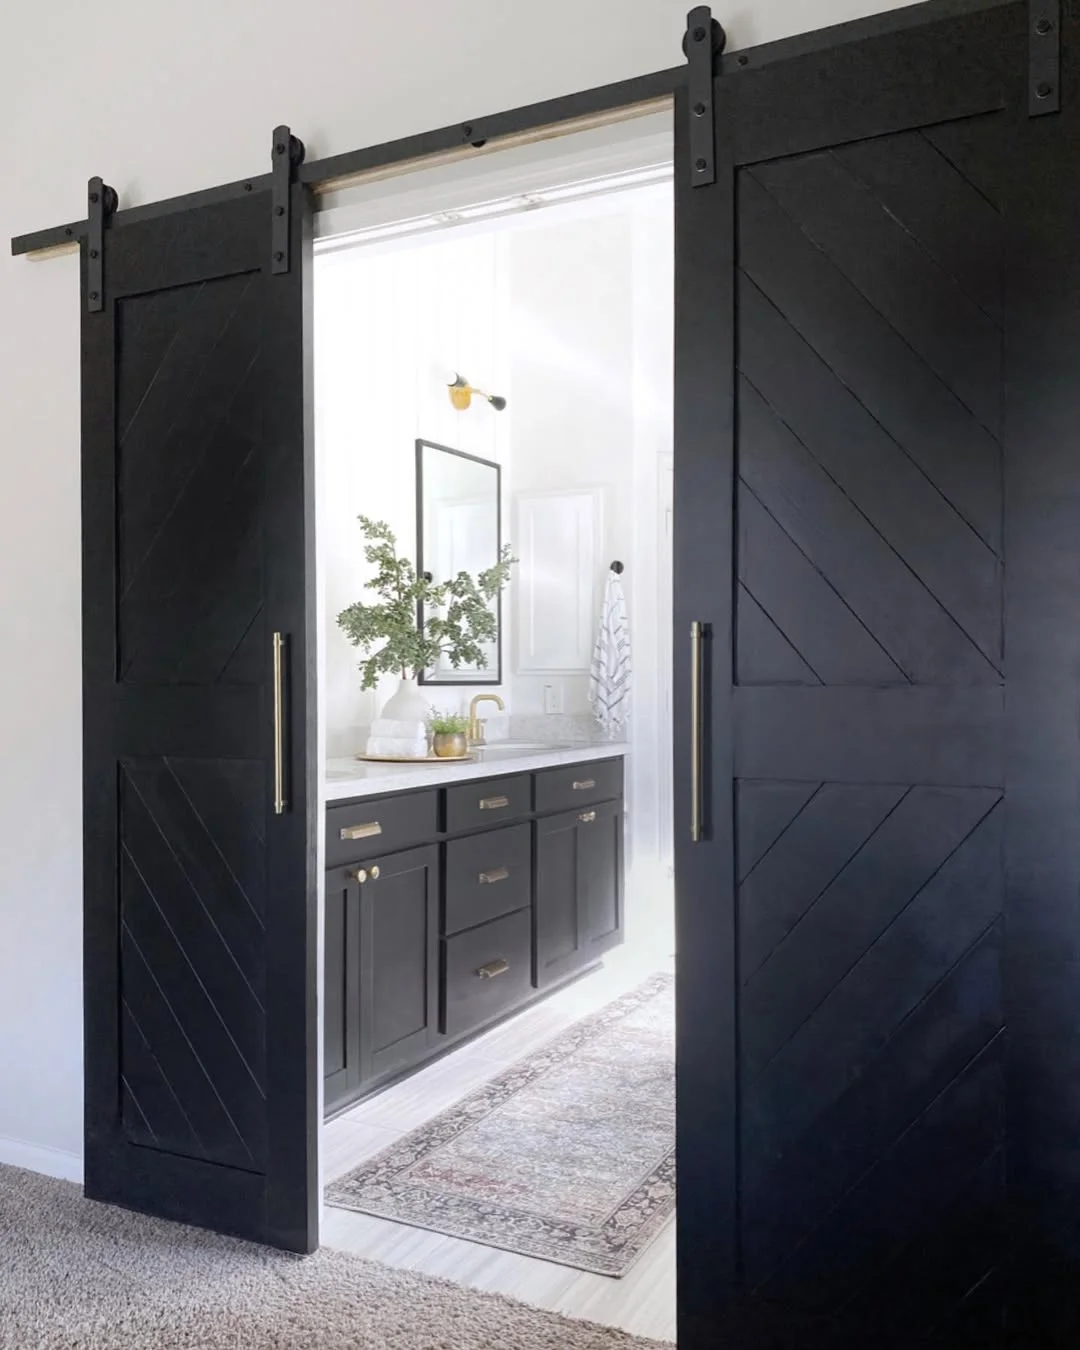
column 374, row 874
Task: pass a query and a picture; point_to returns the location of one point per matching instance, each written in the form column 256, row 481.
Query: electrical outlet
column 553, row 702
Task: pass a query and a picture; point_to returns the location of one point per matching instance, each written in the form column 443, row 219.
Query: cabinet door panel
column 556, row 898
column 337, row 897
column 398, row 961
column 600, row 873
column 579, row 889
column 341, row 998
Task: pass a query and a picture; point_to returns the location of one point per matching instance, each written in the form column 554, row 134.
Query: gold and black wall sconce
column 462, row 394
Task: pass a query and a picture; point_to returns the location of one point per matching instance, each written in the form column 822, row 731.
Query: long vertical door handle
column 279, row 725
column 696, row 730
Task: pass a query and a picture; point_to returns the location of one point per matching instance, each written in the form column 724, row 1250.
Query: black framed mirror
column 459, row 529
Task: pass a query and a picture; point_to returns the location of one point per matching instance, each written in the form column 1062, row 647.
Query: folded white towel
column 389, row 726
column 404, row 747
column 611, row 675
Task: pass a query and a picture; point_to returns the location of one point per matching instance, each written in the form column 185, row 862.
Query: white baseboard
column 52, row 1162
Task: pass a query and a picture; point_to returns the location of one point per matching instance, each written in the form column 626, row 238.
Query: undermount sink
column 511, row 749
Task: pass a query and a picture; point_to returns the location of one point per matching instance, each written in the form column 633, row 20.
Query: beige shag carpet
column 75, row 1274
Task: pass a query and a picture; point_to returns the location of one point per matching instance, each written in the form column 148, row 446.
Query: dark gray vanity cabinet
column 448, row 908
column 579, row 889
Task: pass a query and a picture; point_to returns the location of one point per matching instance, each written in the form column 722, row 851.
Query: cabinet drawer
column 486, row 972
column 597, row 780
column 378, row 825
column 487, row 875
column 487, row 802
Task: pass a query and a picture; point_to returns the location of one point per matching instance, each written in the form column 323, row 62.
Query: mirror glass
column 458, row 530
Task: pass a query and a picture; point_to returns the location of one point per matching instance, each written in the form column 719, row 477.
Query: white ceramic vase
column 407, row 705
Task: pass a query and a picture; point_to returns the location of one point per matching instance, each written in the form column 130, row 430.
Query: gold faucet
column 476, row 727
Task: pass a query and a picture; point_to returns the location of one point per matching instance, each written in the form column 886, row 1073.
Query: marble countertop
column 349, row 778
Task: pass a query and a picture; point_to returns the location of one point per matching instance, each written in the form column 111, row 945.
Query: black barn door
column 199, row 897
column 878, row 525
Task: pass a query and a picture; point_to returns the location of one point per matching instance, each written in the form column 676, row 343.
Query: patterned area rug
column 569, row 1155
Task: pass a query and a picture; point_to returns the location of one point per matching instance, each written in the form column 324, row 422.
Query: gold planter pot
column 450, row 744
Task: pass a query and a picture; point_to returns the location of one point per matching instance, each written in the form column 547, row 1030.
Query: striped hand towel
column 611, row 673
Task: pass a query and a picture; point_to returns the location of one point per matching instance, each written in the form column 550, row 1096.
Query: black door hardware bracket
column 703, row 44
column 1044, row 57
column 101, row 202
column 287, row 154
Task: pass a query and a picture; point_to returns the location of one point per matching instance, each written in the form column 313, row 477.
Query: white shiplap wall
column 388, row 323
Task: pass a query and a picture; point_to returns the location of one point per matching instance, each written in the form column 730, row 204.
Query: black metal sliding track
column 319, row 174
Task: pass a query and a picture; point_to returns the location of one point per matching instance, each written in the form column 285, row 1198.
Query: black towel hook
column 617, row 567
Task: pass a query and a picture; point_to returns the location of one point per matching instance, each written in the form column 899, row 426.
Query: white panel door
column 559, row 537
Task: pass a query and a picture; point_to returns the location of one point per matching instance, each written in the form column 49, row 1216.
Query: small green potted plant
column 458, row 618
column 449, row 739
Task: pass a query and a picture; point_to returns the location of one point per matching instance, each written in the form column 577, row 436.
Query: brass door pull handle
column 489, row 878
column 279, row 725
column 368, row 831
column 493, row 803
column 585, row 785
column 696, row 636
column 493, row 968
column 587, row 817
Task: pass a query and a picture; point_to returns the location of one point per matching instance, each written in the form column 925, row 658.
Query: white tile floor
column 642, row 1302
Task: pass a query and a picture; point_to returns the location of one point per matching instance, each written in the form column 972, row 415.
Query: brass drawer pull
column 493, row 968
column 489, row 878
column 493, row 803
column 585, row 785
column 368, row 831
column 587, row 817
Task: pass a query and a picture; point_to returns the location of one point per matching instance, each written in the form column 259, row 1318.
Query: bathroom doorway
column 493, row 373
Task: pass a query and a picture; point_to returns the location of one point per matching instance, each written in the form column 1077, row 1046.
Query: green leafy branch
column 458, row 615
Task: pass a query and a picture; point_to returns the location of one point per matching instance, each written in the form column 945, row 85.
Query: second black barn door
column 199, row 917
column 878, row 526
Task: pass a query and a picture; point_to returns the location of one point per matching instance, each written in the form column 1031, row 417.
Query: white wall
column 162, row 104
column 653, row 374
